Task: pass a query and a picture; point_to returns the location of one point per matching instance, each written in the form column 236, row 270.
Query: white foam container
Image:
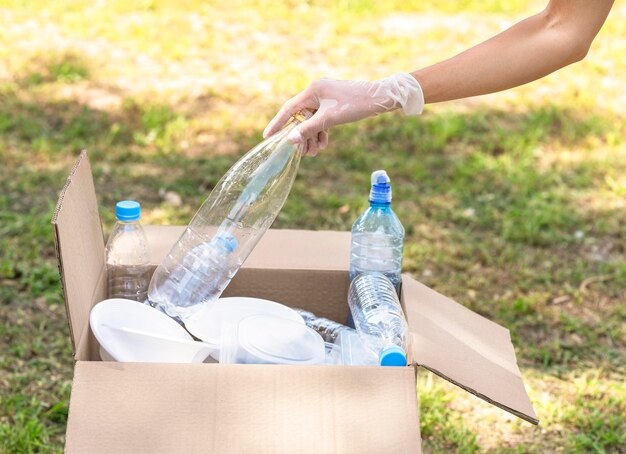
column 129, row 331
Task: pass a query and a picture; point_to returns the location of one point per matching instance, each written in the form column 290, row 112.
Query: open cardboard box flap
column 447, row 338
column 79, row 243
column 465, row 348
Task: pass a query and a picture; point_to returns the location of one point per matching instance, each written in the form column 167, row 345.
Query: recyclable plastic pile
column 184, row 320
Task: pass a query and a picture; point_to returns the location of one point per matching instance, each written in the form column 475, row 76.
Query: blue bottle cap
column 392, row 356
column 381, row 187
column 127, row 210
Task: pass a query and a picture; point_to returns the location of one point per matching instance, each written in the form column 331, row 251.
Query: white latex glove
column 337, row 102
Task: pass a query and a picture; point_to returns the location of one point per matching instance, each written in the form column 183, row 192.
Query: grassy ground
column 514, row 203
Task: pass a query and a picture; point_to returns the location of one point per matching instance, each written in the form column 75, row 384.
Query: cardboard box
column 216, row 408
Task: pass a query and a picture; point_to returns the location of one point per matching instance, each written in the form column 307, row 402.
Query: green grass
column 514, row 203
column 68, row 67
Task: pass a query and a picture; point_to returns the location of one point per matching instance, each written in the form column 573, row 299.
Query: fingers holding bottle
column 316, row 143
column 306, row 99
column 337, row 102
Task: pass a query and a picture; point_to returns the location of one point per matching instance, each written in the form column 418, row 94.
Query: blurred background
column 514, row 203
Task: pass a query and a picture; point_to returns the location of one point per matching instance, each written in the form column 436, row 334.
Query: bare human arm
column 558, row 36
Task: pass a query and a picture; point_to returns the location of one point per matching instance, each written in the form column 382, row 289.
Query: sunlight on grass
column 513, row 203
column 581, row 413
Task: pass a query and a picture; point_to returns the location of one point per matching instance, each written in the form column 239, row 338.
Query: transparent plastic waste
column 263, row 339
column 227, row 226
column 344, row 346
column 328, row 329
column 333, row 354
column 127, row 259
column 379, row 318
column 352, row 351
column 377, row 235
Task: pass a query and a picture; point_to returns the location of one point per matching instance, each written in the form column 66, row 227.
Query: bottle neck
column 302, row 115
column 125, row 227
column 379, row 204
column 297, row 118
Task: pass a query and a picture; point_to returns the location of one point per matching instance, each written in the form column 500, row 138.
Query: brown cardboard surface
column 217, row 408
column 321, row 292
column 465, row 349
column 277, row 249
column 80, row 247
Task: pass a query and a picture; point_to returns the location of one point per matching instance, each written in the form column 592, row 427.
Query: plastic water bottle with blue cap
column 226, row 228
column 379, row 318
column 378, row 235
column 127, row 259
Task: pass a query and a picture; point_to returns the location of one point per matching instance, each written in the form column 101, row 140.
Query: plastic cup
column 353, row 351
column 333, row 354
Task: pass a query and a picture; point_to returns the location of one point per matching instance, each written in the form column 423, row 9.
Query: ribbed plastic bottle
column 378, row 317
column 127, row 259
column 221, row 235
column 378, row 235
column 328, row 329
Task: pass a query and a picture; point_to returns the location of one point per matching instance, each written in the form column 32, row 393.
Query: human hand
column 337, row 102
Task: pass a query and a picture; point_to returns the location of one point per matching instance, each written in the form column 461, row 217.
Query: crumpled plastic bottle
column 227, row 227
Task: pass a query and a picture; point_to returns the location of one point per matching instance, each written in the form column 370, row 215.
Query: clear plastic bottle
column 378, row 235
column 221, row 235
column 379, row 318
column 127, row 259
column 328, row 329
